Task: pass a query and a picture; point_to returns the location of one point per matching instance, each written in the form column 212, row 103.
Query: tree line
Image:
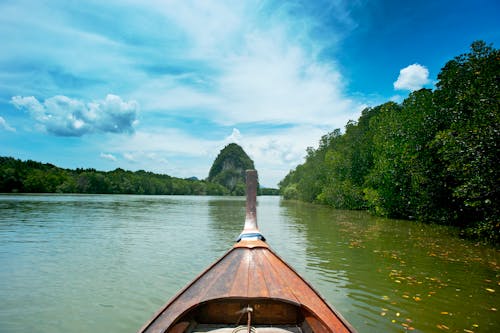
column 35, row 177
column 29, row 176
column 433, row 158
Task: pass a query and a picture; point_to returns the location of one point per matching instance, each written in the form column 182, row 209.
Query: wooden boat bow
column 252, row 280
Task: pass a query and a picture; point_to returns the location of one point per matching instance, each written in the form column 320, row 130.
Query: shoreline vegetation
column 18, row 176
column 433, row 158
column 226, row 177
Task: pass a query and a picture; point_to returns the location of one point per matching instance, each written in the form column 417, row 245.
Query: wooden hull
column 250, row 286
column 251, row 276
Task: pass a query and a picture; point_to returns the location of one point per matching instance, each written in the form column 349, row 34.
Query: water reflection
column 227, row 215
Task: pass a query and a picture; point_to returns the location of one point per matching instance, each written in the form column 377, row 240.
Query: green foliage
column 347, row 161
column 227, row 177
column 290, row 192
column 433, row 158
column 229, row 169
column 34, row 177
column 468, row 93
column 269, row 191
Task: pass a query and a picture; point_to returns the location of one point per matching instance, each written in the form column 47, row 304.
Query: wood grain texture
column 250, row 272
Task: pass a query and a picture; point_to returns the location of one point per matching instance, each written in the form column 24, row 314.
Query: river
column 106, row 263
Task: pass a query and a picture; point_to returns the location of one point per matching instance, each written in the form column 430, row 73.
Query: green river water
column 106, row 263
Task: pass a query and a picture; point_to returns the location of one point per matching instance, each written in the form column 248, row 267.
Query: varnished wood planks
column 249, row 273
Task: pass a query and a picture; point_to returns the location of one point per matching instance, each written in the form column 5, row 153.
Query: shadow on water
column 397, row 275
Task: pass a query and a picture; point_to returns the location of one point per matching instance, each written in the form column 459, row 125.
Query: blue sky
column 164, row 85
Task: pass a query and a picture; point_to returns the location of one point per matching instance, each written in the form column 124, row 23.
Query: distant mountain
column 229, row 168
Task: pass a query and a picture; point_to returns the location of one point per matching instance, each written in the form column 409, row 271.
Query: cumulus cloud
column 234, row 137
column 131, row 157
column 5, row 126
column 412, row 78
column 270, row 80
column 254, row 66
column 109, row 157
column 64, row 116
column 278, row 82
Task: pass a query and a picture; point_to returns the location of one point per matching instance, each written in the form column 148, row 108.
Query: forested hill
column 36, row 177
column 229, row 168
column 435, row 157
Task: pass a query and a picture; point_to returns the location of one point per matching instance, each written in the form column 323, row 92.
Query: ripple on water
column 107, row 263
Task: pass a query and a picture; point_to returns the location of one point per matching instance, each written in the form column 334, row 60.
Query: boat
column 249, row 289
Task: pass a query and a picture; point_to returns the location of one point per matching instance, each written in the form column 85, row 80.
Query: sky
column 163, row 86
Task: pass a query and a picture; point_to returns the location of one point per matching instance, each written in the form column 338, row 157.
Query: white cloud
column 278, row 82
column 131, row 157
column 269, row 80
column 252, row 61
column 109, row 157
column 254, row 66
column 412, row 78
column 156, row 158
column 250, row 66
column 64, row 116
column 5, row 126
column 234, row 137
column 209, row 25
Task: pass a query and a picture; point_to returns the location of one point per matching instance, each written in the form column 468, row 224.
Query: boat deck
column 243, row 329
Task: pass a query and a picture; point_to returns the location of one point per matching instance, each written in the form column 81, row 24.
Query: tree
column 348, row 161
column 468, row 95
